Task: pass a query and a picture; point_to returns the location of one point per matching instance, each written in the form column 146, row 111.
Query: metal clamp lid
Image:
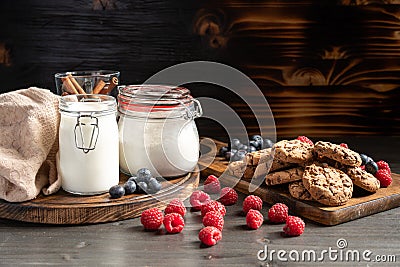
column 195, row 113
column 82, row 128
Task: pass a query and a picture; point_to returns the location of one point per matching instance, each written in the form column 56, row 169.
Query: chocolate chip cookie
column 338, row 153
column 279, row 165
column 293, row 151
column 298, row 191
column 237, row 168
column 363, row 179
column 241, row 170
column 327, row 185
column 263, row 162
column 285, row 176
column 249, row 173
column 259, row 157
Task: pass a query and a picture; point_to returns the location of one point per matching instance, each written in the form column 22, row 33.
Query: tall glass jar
column 88, row 140
column 157, row 129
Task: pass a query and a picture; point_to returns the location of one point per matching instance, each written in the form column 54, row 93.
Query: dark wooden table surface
column 125, row 243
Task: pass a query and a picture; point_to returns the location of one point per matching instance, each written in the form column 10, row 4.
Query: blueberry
column 235, row 143
column 371, row 167
column 364, row 159
column 243, row 147
column 257, row 138
column 153, row 186
column 141, row 187
column 238, row 155
column 254, row 144
column 228, row 155
column 223, row 150
column 143, row 175
column 130, row 187
column 116, row 191
column 252, row 149
column 268, row 143
column 132, row 178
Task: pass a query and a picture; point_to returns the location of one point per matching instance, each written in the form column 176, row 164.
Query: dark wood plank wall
column 327, row 68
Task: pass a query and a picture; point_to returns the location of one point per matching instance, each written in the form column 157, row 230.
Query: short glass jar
column 88, row 140
column 157, row 129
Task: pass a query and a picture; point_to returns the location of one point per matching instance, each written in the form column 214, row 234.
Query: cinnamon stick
column 104, row 92
column 99, row 86
column 69, row 86
column 76, row 85
column 113, row 83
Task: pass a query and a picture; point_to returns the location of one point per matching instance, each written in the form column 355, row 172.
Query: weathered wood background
column 326, row 67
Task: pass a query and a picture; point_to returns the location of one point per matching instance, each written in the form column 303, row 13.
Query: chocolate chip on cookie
column 298, row 191
column 327, row 185
column 293, row 151
column 363, row 179
column 338, row 153
column 285, row 176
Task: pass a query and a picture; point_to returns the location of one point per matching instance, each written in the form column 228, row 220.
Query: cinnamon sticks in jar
column 71, row 86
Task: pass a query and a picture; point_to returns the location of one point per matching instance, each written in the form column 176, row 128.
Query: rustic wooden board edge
column 52, row 201
column 328, row 216
column 87, row 214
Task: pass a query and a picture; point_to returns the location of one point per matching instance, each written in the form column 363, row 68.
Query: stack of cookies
column 324, row 172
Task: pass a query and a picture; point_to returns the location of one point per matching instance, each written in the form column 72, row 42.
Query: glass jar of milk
column 157, row 129
column 88, row 139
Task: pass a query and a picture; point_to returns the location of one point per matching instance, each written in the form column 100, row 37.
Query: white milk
column 96, row 170
column 167, row 147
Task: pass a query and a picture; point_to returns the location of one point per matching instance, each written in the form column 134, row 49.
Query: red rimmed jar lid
column 157, row 101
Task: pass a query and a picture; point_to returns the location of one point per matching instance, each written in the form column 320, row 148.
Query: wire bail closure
column 196, row 113
column 89, row 124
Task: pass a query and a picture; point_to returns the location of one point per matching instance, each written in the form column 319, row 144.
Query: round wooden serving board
column 66, row 208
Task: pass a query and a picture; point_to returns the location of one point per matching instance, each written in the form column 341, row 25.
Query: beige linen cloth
column 29, row 122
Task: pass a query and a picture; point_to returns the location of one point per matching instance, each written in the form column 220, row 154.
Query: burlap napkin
column 29, row 121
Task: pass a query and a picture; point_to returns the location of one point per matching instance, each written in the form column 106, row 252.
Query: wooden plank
column 360, row 205
column 65, row 208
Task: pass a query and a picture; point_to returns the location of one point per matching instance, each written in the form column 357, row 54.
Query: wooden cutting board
column 66, row 208
column 362, row 204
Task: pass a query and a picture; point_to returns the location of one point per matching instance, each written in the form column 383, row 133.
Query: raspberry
column 213, row 205
column 382, row 165
column 362, row 167
column 252, row 202
column 198, row 199
column 176, row 206
column 278, row 213
column 173, row 223
column 294, row 226
column 214, row 218
column 384, row 177
column 228, row 196
column 305, row 139
column 152, row 219
column 254, row 219
column 210, row 235
column 344, row 145
column 212, row 185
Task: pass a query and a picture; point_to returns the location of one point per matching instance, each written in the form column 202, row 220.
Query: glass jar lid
column 96, row 105
column 157, row 101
